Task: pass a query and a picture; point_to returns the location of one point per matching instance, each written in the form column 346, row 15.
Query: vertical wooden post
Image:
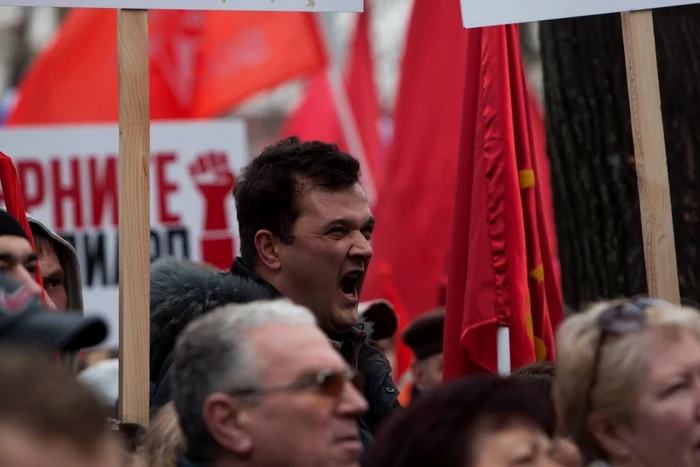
column 134, row 216
column 650, row 155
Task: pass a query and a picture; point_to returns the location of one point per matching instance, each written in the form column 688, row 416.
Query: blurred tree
column 592, row 154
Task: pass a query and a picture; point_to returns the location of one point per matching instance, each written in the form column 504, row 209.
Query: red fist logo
column 214, row 178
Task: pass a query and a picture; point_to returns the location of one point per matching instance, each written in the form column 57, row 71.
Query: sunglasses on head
column 623, row 318
column 328, row 382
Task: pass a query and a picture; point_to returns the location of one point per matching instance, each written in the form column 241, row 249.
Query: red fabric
column 389, row 292
column 202, row 64
column 496, row 260
column 416, row 198
column 14, row 201
column 317, row 116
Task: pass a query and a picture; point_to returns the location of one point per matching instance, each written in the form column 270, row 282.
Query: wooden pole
column 134, row 216
column 650, row 155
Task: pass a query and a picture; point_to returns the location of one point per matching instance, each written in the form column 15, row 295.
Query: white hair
column 212, row 355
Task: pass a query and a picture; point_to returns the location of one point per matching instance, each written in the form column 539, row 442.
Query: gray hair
column 212, row 355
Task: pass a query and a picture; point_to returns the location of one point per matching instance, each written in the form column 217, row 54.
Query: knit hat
column 9, row 226
column 424, row 334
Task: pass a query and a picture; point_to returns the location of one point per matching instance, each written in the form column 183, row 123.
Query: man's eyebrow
column 11, row 257
column 370, row 223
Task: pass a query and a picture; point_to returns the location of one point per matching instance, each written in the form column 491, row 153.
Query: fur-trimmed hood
column 184, row 290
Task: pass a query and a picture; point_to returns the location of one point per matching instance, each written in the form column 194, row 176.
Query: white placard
column 476, row 13
column 69, row 179
column 319, row 6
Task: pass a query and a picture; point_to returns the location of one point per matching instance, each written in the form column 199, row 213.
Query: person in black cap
column 424, row 336
column 17, row 258
column 25, row 321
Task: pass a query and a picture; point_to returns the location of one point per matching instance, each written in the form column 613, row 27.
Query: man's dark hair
column 46, row 400
column 440, row 428
column 267, row 191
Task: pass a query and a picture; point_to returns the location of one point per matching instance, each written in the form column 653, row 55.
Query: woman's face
column 518, row 444
column 666, row 425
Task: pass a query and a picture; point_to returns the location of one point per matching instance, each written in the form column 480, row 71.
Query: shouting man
column 306, row 234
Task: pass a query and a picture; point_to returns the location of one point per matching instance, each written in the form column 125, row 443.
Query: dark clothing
column 365, row 358
column 183, row 461
column 181, row 291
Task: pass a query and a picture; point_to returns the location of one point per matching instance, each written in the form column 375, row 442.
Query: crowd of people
column 276, row 362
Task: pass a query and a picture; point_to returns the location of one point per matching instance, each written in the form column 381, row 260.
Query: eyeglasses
column 624, row 318
column 328, row 382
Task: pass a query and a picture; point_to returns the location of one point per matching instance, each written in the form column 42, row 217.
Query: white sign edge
column 316, row 6
column 526, row 11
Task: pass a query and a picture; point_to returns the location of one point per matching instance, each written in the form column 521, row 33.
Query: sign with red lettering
column 477, row 13
column 234, row 5
column 69, row 179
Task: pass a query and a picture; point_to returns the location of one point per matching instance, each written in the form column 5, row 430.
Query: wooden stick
column 650, row 155
column 134, row 216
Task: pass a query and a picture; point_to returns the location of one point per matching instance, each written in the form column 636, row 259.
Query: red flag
column 416, row 197
column 202, row 64
column 14, row 202
column 319, row 115
column 497, row 273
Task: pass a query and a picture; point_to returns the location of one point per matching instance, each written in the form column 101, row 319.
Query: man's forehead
column 287, row 350
column 18, row 247
column 350, row 202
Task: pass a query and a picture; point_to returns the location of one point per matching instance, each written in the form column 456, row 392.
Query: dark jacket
column 180, row 292
column 356, row 346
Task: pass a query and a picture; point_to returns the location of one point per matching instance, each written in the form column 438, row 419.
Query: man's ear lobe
column 267, row 246
column 228, row 423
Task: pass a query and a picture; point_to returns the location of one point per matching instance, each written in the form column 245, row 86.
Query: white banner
column 235, row 5
column 476, row 13
column 69, row 179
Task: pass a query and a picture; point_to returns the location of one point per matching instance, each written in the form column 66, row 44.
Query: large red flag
column 498, row 265
column 319, row 113
column 416, row 196
column 202, row 64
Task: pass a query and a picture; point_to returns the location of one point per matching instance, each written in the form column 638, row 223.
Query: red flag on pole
column 320, row 115
column 498, row 265
column 202, row 64
column 416, row 196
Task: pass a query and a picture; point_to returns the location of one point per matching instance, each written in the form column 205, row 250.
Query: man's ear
column 610, row 436
column 228, row 423
column 267, row 246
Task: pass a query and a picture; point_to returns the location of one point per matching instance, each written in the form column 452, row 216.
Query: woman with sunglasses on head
column 628, row 383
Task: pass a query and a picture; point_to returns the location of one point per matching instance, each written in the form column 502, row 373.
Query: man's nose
column 352, row 403
column 362, row 248
column 26, row 279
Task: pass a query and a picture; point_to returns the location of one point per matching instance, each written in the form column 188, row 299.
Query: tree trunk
column 592, row 155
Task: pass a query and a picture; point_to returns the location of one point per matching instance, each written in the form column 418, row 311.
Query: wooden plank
column 134, row 216
column 650, row 155
column 318, row 6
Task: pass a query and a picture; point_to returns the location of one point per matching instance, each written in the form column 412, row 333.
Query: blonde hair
column 621, row 369
column 164, row 440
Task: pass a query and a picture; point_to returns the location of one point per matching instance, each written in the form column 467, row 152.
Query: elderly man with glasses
column 261, row 385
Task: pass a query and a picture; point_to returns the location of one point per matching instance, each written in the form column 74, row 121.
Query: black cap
column 24, row 320
column 381, row 313
column 424, row 335
column 9, row 226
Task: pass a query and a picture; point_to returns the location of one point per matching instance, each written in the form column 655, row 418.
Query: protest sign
column 69, row 181
column 317, row 6
column 477, row 13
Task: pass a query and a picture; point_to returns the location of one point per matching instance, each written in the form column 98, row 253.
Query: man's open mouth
column 350, row 282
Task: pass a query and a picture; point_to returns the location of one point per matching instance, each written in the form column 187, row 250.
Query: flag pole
column 346, row 117
column 503, row 350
